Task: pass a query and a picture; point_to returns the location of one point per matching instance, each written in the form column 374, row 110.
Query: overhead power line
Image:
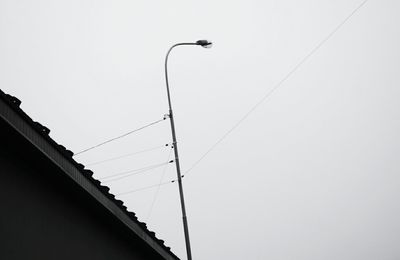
column 128, row 155
column 129, row 171
column 158, row 188
column 121, row 136
column 132, row 172
column 148, row 187
column 144, row 188
column 279, row 84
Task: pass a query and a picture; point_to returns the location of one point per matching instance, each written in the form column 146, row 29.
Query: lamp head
column 204, row 43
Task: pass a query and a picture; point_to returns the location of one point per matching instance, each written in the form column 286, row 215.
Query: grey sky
column 313, row 173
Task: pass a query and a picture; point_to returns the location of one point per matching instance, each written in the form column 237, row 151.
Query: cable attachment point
column 171, row 161
column 166, row 116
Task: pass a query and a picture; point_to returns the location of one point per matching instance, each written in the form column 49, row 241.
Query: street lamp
column 205, row 44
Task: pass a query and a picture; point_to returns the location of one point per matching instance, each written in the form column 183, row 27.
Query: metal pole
column 178, row 168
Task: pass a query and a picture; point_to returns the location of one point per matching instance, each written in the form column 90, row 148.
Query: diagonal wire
column 127, row 155
column 144, row 188
column 279, row 84
column 137, row 172
column 120, row 136
column 148, row 187
column 158, row 187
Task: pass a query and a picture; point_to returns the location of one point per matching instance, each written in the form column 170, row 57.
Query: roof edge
column 37, row 135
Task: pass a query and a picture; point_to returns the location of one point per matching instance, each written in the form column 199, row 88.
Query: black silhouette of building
column 52, row 207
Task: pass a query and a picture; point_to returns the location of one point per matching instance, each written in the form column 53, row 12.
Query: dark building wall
column 45, row 215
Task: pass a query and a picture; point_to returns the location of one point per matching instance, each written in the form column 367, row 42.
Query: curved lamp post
column 205, row 44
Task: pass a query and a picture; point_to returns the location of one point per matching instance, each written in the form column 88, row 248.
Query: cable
column 134, row 172
column 269, row 93
column 127, row 155
column 144, row 188
column 121, row 136
column 148, row 187
column 158, row 187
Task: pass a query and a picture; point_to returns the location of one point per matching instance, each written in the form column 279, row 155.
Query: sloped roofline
column 38, row 135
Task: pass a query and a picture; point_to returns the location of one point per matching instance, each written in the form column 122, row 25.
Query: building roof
column 38, row 135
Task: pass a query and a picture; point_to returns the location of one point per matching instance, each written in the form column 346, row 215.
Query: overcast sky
column 312, row 173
